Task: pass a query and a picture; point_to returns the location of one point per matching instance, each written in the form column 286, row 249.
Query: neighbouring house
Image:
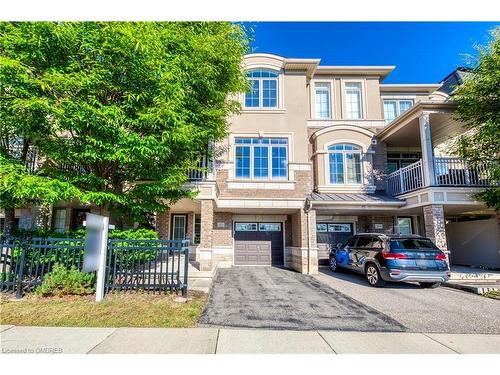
column 319, row 153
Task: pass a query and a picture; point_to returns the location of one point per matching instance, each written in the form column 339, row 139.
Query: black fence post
column 20, row 270
column 185, row 247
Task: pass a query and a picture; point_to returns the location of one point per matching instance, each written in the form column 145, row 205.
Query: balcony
column 448, row 171
column 203, row 172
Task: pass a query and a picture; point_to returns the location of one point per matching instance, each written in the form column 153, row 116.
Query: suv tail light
column 387, row 255
column 441, row 256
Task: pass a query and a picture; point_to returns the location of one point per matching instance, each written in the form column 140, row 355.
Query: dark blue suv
column 384, row 258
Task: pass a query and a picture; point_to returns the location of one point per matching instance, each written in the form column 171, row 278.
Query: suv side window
column 364, row 242
column 377, row 244
column 351, row 242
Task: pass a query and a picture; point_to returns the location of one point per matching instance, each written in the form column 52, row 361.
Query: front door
column 179, row 223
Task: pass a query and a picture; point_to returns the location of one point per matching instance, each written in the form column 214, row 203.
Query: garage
column 328, row 235
column 474, row 242
column 258, row 244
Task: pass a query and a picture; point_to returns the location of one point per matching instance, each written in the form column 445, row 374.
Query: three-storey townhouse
column 319, row 153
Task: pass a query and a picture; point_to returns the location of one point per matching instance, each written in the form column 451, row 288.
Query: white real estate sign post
column 96, row 246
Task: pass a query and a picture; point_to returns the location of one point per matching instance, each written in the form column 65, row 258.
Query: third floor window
column 263, row 89
column 353, row 100
column 395, row 107
column 322, row 100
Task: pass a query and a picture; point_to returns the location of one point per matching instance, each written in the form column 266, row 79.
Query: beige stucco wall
column 372, row 109
column 292, row 119
column 339, row 134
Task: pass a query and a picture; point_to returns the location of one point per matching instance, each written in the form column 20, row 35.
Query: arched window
column 344, row 161
column 263, row 89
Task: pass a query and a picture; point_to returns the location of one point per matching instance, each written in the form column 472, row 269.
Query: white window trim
column 343, row 81
column 232, row 154
column 327, row 164
column 331, row 88
column 174, row 216
column 269, row 161
column 280, row 91
column 398, row 110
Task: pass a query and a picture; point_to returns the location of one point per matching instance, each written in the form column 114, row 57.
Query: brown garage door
column 258, row 244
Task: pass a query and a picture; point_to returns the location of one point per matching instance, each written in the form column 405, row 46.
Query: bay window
column 344, row 161
column 261, row 158
column 353, row 100
column 263, row 91
column 395, row 107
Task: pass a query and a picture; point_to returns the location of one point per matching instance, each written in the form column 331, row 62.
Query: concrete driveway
column 441, row 310
column 269, row 297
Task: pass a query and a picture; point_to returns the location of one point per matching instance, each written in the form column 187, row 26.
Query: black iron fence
column 25, row 261
column 151, row 265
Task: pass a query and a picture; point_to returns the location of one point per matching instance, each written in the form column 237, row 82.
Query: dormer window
column 263, row 89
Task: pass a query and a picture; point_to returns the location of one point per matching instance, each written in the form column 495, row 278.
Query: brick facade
column 163, row 224
column 302, row 179
column 380, row 165
column 372, row 223
column 303, row 240
column 222, row 229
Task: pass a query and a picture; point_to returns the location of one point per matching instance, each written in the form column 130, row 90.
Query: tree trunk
column 10, row 219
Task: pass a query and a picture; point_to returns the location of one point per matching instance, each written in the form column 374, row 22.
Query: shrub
column 62, row 281
column 128, row 234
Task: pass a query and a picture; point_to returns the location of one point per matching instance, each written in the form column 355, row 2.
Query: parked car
column 384, row 258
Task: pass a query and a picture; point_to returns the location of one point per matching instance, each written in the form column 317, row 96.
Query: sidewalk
column 72, row 340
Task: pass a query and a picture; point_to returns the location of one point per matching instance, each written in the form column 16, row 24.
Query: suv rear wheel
column 373, row 275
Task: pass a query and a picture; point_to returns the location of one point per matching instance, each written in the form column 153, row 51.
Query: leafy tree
column 120, row 111
column 478, row 100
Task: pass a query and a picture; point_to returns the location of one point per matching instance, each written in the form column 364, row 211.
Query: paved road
column 274, row 298
column 421, row 310
column 66, row 340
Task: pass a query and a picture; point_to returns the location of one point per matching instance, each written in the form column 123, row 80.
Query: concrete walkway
column 72, row 340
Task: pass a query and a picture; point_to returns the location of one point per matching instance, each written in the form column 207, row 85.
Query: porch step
column 198, row 280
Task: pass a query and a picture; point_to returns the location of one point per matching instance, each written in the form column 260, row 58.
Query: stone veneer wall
column 435, row 225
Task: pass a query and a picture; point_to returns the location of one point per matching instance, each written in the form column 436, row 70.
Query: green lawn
column 495, row 294
column 117, row 310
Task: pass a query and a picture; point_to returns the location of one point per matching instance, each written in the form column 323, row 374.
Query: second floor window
column 344, row 162
column 393, row 108
column 353, row 100
column 263, row 89
column 261, row 158
column 322, row 100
